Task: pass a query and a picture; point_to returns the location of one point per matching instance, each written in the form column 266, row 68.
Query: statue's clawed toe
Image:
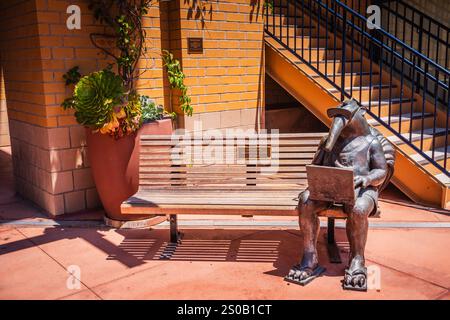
column 304, row 275
column 356, row 279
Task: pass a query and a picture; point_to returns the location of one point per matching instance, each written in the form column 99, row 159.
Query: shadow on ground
column 282, row 248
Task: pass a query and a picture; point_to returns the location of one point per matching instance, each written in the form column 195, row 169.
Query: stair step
column 396, row 118
column 439, row 154
column 313, row 36
column 360, row 88
column 291, row 26
column 307, row 49
column 416, row 135
column 384, row 102
column 442, row 177
column 329, row 61
column 288, row 20
column 346, row 74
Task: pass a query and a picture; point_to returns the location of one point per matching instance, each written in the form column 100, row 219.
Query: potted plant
column 112, row 111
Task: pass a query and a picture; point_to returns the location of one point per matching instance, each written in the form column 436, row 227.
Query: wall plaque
column 195, row 45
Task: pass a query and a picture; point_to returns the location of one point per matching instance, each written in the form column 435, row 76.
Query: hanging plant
column 176, row 80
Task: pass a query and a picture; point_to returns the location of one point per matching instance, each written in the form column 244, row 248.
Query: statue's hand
column 362, row 181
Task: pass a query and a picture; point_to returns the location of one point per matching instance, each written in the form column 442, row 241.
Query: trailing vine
column 176, row 80
column 268, row 4
column 124, row 17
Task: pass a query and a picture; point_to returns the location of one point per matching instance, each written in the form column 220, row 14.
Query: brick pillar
column 4, row 126
column 48, row 146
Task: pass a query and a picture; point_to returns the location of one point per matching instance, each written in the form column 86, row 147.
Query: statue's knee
column 362, row 207
column 303, row 198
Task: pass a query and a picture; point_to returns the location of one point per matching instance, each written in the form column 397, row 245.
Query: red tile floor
column 219, row 258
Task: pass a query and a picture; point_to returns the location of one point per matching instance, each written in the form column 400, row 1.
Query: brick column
column 4, row 126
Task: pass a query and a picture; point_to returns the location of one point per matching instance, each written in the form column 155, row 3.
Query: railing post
column 419, row 47
column 343, row 56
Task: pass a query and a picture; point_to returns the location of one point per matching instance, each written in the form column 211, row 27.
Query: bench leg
column 174, row 235
column 332, row 248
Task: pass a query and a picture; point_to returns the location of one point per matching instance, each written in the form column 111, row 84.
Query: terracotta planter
column 115, row 166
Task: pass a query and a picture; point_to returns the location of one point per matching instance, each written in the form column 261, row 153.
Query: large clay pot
column 115, row 166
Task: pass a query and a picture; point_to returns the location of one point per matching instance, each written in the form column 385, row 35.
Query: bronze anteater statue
column 351, row 143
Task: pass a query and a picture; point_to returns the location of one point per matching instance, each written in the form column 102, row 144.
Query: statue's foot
column 356, row 275
column 306, row 271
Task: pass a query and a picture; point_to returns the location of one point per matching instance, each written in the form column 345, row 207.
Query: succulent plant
column 151, row 111
column 95, row 98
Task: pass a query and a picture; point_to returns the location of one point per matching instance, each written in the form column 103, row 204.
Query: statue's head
column 348, row 120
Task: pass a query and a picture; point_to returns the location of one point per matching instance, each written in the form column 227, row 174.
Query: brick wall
column 4, row 126
column 49, row 148
column 225, row 81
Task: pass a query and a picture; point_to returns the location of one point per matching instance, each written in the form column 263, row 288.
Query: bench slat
column 145, row 161
column 224, row 156
column 306, row 142
column 214, row 169
column 194, row 182
column 241, row 193
column 216, row 175
column 259, row 135
column 226, row 188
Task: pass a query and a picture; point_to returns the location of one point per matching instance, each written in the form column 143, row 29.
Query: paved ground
column 245, row 258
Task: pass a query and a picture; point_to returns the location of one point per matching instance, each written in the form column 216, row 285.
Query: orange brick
column 231, row 35
column 229, row 7
column 50, row 41
column 229, row 44
column 230, row 97
column 49, row 17
column 66, row 121
column 62, row 53
column 200, row 72
column 55, row 87
column 89, row 53
column 237, row 17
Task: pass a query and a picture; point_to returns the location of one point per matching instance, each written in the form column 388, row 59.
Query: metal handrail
column 393, row 38
column 422, row 17
column 341, row 17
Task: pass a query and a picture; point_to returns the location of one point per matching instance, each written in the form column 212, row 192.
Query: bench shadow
column 281, row 248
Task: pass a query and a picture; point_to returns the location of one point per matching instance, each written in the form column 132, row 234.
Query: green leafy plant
column 95, row 97
column 268, row 4
column 176, row 80
column 72, row 76
column 152, row 112
column 100, row 103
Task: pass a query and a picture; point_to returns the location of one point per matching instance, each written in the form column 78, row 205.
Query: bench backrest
column 259, row 161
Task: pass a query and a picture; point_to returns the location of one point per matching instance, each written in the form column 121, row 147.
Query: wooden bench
column 261, row 174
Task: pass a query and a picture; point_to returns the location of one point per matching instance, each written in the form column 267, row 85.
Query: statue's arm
column 378, row 165
column 320, row 153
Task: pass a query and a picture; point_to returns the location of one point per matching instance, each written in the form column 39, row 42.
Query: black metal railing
column 416, row 29
column 372, row 66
